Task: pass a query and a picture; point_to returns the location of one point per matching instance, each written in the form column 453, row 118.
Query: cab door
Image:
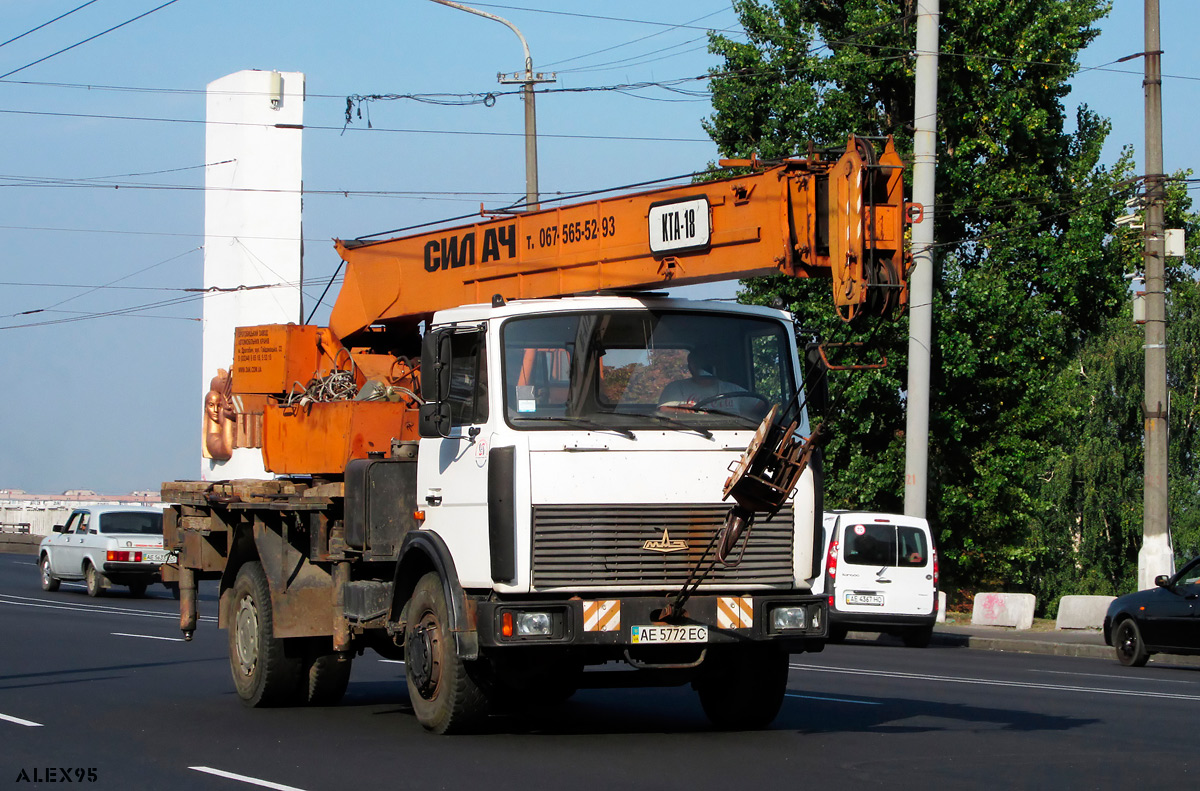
column 452, row 467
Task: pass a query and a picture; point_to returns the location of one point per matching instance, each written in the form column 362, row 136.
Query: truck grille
column 599, row 545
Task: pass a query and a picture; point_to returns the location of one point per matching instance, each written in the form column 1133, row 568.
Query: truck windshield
column 644, row 369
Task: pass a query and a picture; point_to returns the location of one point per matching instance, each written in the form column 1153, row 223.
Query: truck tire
column 444, row 696
column 744, row 688
column 262, row 673
column 49, row 581
column 94, row 580
column 327, row 678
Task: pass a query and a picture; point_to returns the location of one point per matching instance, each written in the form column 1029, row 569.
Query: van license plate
column 875, row 599
column 642, row 635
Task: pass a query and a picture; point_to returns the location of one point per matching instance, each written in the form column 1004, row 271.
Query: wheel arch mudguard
column 424, row 551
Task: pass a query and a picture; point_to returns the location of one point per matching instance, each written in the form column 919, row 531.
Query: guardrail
column 14, row 527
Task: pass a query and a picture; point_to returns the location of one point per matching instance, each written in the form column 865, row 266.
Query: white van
column 880, row 572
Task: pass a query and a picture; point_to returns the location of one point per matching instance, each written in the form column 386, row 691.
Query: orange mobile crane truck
column 508, row 462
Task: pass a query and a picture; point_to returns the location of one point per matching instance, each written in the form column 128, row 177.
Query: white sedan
column 105, row 545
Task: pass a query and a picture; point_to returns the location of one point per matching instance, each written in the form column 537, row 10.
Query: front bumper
column 609, row 621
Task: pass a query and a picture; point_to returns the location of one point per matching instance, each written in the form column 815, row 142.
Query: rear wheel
column 744, row 689
column 94, row 580
column 49, row 581
column 917, row 636
column 1131, row 649
column 263, row 673
column 444, row 696
column 327, row 678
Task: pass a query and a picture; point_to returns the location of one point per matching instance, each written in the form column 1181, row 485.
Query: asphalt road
column 103, row 693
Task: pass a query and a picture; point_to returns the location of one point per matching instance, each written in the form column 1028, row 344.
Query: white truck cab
column 560, row 402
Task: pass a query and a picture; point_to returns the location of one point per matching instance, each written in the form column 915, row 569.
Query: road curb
column 1025, row 646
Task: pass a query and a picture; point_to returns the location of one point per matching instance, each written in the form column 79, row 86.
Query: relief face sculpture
column 219, row 417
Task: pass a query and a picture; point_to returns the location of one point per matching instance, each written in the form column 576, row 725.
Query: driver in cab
column 698, row 390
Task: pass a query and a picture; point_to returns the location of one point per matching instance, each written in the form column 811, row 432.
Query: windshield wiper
column 589, row 424
column 680, row 424
column 709, row 410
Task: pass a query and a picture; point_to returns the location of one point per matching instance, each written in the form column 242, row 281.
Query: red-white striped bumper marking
column 735, row 612
column 602, row 616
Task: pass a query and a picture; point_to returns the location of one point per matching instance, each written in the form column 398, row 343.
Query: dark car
column 1164, row 619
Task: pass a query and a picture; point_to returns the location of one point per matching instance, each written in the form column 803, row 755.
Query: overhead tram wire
column 636, row 40
column 45, row 24
column 467, row 132
column 89, row 38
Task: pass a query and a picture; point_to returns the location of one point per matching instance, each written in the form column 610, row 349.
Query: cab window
column 468, row 379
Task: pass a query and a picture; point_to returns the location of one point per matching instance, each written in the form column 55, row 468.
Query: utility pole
column 528, row 78
column 1155, row 556
column 920, row 315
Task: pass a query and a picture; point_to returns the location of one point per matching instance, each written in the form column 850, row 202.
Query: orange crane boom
column 842, row 218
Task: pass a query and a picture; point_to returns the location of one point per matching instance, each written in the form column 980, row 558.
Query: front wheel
column 744, row 689
column 263, row 673
column 444, row 696
column 49, row 581
column 1131, row 649
column 137, row 589
column 94, row 580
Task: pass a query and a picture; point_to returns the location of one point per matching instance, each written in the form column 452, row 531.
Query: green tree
column 1028, row 268
column 1089, row 543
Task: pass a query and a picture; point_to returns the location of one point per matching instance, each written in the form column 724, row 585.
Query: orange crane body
column 842, row 218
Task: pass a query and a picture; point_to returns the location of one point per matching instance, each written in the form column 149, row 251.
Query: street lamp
column 528, row 78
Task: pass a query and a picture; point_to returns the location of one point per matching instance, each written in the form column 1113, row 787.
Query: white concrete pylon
column 252, row 227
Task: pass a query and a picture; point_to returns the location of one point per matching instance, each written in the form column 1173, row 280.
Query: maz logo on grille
column 664, row 544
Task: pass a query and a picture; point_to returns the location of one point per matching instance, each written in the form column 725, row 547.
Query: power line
column 51, row 22
column 467, row 132
column 89, row 38
column 634, row 41
column 588, row 16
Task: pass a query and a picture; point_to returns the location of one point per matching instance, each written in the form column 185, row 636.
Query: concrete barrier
column 1003, row 609
column 1082, row 612
column 941, row 616
column 19, row 543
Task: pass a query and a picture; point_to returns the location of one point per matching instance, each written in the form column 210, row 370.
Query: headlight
column 533, row 624
column 792, row 618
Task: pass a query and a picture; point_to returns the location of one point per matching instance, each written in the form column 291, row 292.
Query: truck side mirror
column 434, row 420
column 816, row 380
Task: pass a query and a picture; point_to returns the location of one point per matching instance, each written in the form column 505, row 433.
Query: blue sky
column 113, row 403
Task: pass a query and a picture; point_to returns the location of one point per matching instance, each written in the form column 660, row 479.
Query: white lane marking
column 51, row 604
column 988, row 682
column 393, row 661
column 835, row 700
column 19, row 721
column 1109, row 675
column 245, row 779
column 148, row 637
